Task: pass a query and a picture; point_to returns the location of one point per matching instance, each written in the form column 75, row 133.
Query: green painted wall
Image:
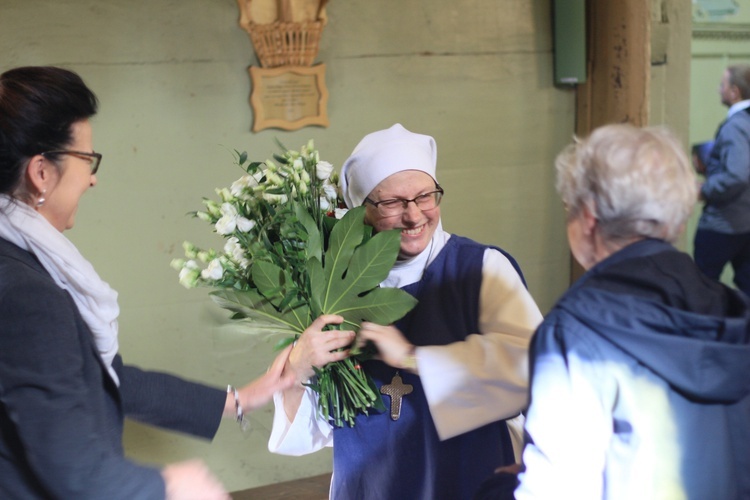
column 173, row 83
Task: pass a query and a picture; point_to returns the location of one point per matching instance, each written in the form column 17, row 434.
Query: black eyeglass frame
column 437, row 193
column 96, row 157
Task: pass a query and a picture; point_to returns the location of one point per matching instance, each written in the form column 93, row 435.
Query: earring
column 41, row 199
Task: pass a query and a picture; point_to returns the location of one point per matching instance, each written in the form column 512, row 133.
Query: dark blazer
column 726, row 190
column 61, row 415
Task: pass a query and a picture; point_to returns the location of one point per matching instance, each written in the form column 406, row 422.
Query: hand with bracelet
column 260, row 391
column 393, row 348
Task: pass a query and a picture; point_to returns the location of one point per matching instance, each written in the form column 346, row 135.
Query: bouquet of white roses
column 290, row 255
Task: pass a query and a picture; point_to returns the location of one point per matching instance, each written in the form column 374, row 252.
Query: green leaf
column 314, row 247
column 368, row 266
column 345, row 237
column 261, row 313
column 383, row 306
column 352, row 269
column 271, row 281
column 317, row 285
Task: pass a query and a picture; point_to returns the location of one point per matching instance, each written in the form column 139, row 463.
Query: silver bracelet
column 241, row 420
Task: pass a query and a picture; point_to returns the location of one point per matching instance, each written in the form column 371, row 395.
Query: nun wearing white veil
column 463, row 349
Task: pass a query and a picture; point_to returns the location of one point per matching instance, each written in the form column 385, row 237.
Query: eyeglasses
column 94, row 158
column 397, row 206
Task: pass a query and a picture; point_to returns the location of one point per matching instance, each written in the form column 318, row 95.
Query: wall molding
column 729, row 32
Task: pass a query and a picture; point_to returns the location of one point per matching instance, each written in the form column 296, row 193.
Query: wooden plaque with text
column 289, row 97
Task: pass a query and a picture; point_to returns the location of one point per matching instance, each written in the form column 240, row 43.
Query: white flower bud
column 275, row 179
column 189, row 274
column 212, row 207
column 191, row 251
column 278, row 199
column 224, row 194
column 177, row 264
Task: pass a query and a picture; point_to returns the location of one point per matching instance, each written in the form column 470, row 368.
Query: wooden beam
column 618, row 59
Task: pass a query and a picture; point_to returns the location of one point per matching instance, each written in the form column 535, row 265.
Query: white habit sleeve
column 484, row 378
column 306, row 434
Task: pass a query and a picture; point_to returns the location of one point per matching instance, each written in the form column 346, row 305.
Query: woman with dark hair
column 63, row 386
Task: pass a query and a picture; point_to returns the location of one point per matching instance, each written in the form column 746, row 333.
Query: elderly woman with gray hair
column 460, row 355
column 640, row 372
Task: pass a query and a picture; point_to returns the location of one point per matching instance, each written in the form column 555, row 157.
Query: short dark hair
column 38, row 106
column 739, row 76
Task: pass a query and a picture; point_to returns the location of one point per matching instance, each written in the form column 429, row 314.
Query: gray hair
column 637, row 182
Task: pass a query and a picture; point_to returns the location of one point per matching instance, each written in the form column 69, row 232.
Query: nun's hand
column 393, row 348
column 316, row 347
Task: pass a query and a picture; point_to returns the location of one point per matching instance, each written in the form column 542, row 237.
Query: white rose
column 233, row 249
column 323, row 170
column 330, row 191
column 239, row 254
column 226, row 224
column 214, row 271
column 245, row 225
column 228, row 209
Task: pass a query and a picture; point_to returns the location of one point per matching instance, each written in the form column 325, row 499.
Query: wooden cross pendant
column 396, row 390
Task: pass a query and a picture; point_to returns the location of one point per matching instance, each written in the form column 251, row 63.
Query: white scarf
column 96, row 300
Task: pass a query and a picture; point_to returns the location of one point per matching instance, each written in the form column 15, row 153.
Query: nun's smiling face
column 416, row 224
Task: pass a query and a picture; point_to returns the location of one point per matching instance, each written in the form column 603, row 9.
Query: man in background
column 723, row 234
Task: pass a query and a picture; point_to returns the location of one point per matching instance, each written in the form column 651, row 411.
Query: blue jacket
column 726, row 190
column 61, row 415
column 640, row 385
